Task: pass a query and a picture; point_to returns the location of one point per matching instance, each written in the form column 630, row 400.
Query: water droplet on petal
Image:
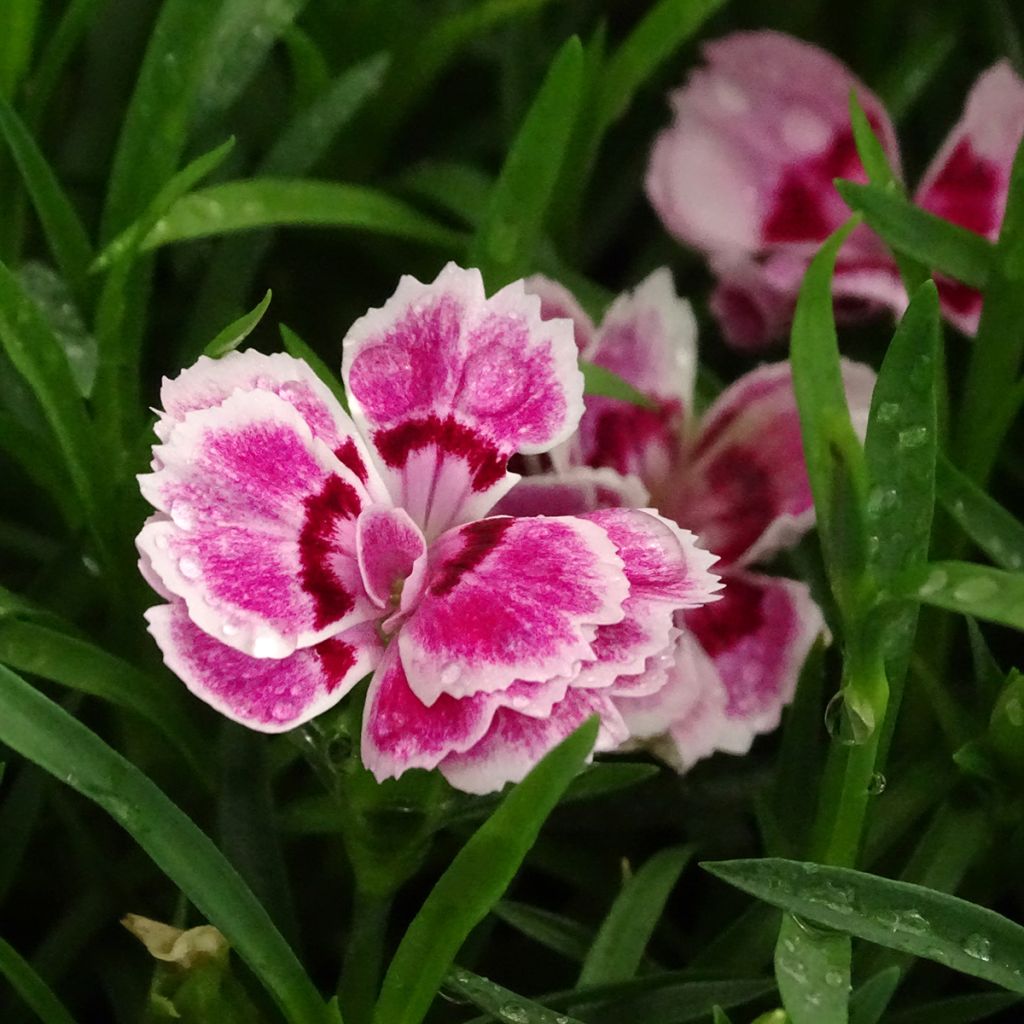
column 888, row 412
column 979, row 947
column 182, row 515
column 913, row 437
column 844, row 724
column 189, row 568
column 935, row 582
column 876, row 784
column 450, row 674
column 976, row 590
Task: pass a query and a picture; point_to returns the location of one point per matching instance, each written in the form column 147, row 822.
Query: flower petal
column 649, row 338
column 759, row 135
column 746, row 492
column 556, row 301
column 401, row 732
column 758, row 637
column 577, row 490
column 510, row 599
column 667, row 572
column 515, row 743
column 258, row 528
column 968, row 180
column 388, row 545
column 448, row 384
column 266, row 694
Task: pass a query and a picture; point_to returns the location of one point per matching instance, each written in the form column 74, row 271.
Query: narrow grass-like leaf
column 61, row 43
column 459, row 189
column 244, row 33
column 40, row 650
column 553, row 931
column 940, row 244
column 506, row 241
column 234, row 334
column 958, row 1009
column 906, row 77
column 661, row 31
column 902, row 440
column 67, row 239
column 474, row 882
column 978, row 590
column 499, row 1003
column 812, row 968
column 880, row 173
column 624, row 934
column 871, row 1000
column 38, row 356
column 898, row 915
column 835, row 464
column 679, row 1004
column 990, row 399
column 155, row 129
column 998, row 533
column 599, row 381
column 44, row 733
column 264, row 203
column 295, row 346
column 38, row 996
column 17, row 42
column 719, row 1016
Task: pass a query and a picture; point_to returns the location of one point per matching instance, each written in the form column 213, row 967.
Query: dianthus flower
column 301, row 549
column 735, row 476
column 745, row 174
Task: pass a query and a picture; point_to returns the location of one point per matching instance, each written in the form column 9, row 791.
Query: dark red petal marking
column 743, row 490
column 336, row 501
column 337, row 658
column 486, row 462
column 966, row 190
column 480, row 538
column 960, row 298
column 804, row 207
column 349, row 456
column 624, row 431
column 723, row 624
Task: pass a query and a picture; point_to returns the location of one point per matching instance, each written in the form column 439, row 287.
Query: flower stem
column 364, row 955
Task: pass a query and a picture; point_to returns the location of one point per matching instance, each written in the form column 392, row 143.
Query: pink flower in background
column 745, row 174
column 734, row 476
column 300, row 549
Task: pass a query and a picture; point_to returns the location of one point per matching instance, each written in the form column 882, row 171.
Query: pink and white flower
column 300, row 549
column 734, row 476
column 745, row 171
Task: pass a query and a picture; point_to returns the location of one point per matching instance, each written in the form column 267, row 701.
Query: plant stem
column 364, row 955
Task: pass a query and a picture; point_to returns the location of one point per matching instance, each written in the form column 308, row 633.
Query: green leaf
column 553, row 931
column 661, row 31
column 1006, row 727
column 719, row 1016
column 475, row 881
column 266, row 202
column 898, row 915
column 458, row 189
column 958, row 1009
column 990, row 404
column 50, row 293
column 998, row 533
column 506, row 241
column 902, row 440
column 599, row 381
column 835, row 463
column 16, row 42
column 39, row 650
column 67, row 239
column 155, row 129
column 966, row 588
column 680, row 1003
column 244, row 33
column 813, row 971
column 296, row 347
column 36, row 994
column 907, row 76
column 44, row 733
column 624, row 934
column 499, row 1003
column 940, row 244
column 871, row 1000
column 234, row 334
column 38, row 356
